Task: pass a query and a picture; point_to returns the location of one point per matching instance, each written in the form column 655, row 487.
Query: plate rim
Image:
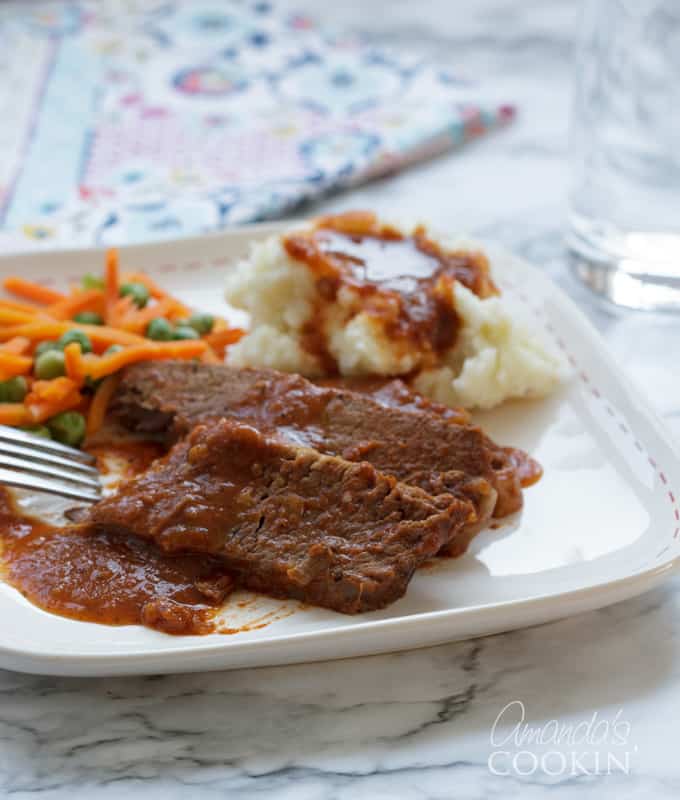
column 649, row 578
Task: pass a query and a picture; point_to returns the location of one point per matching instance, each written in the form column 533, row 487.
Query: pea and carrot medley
column 60, row 353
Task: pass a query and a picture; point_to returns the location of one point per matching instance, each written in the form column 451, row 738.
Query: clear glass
column 625, row 196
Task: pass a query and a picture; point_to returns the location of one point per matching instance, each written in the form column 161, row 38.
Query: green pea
column 50, row 365
column 160, row 330
column 68, row 428
column 89, row 318
column 114, row 348
column 137, row 291
column 45, row 347
column 185, row 332
column 90, row 281
column 38, row 430
column 201, row 323
column 76, row 336
column 13, row 390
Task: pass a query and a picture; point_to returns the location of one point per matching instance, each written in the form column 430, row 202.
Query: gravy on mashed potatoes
column 350, row 295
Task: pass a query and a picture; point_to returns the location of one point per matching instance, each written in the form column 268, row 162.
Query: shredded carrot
column 12, row 364
column 73, row 361
column 18, row 346
column 31, row 291
column 16, row 306
column 53, row 390
column 34, row 330
column 89, row 299
column 99, row 335
column 11, row 316
column 111, row 281
column 150, row 351
column 14, row 414
column 119, row 311
column 106, row 336
column 221, row 339
column 48, row 398
column 100, row 402
column 137, row 319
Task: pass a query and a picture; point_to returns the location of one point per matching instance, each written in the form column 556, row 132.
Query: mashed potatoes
column 494, row 356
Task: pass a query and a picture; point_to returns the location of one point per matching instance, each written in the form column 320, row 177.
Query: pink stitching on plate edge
column 537, row 312
column 583, row 376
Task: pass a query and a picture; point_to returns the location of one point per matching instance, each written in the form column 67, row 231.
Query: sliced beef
column 513, row 468
column 284, row 519
column 386, row 423
column 396, row 393
column 416, row 447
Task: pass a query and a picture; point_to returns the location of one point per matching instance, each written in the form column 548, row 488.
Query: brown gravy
column 403, row 281
column 106, row 579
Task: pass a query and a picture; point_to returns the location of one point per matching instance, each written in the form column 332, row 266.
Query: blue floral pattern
column 181, row 117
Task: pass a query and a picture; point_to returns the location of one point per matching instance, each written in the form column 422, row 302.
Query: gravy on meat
column 113, row 574
column 284, row 519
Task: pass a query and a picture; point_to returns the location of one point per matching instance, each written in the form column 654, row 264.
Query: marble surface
column 416, row 724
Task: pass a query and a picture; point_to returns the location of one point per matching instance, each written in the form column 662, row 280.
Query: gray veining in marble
column 416, row 724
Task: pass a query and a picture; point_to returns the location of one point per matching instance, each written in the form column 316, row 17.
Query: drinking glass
column 624, row 228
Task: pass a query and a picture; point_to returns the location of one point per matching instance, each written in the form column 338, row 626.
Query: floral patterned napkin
column 134, row 120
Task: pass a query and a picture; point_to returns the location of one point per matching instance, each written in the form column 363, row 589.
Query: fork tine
column 31, row 454
column 48, row 471
column 23, row 481
column 13, row 435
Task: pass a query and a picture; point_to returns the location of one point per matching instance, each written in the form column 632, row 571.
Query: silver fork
column 33, row 462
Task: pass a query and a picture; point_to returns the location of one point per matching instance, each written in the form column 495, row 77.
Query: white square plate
column 602, row 525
